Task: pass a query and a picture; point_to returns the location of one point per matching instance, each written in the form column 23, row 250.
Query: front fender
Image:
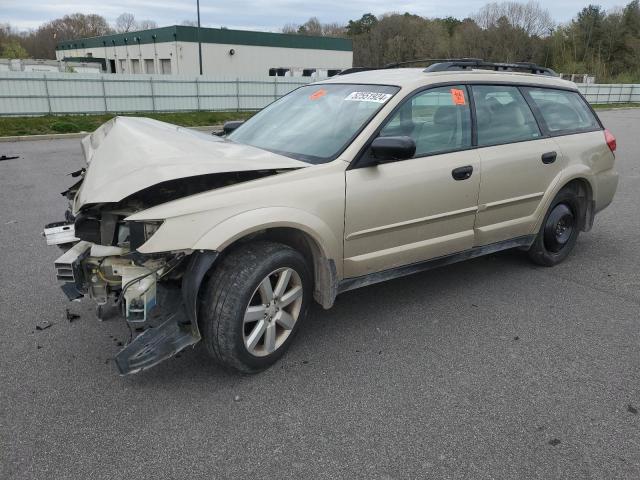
column 225, row 233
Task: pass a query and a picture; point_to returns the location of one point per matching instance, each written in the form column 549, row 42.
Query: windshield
column 316, row 122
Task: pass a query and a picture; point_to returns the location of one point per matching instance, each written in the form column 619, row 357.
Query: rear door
column 519, row 164
column 413, row 210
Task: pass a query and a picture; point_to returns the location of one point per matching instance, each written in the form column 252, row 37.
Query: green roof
column 210, row 35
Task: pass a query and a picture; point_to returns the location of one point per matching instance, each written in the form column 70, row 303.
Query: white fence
column 610, row 92
column 38, row 93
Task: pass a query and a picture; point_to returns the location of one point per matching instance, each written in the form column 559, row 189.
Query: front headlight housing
column 140, row 232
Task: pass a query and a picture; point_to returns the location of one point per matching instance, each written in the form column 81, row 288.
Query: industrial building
column 174, row 50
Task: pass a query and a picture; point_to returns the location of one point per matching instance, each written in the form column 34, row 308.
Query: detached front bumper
column 166, row 312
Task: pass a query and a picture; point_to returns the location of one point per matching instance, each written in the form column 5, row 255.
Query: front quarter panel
column 309, row 199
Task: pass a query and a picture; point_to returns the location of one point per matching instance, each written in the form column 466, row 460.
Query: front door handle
column 549, row 157
column 462, row 173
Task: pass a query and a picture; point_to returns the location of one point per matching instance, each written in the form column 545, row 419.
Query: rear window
column 563, row 111
column 503, row 115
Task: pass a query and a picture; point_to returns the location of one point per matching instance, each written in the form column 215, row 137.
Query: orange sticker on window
column 457, row 96
column 318, row 94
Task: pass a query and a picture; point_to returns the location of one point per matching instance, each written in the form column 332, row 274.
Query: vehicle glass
column 503, row 115
column 316, row 122
column 563, row 111
column 438, row 120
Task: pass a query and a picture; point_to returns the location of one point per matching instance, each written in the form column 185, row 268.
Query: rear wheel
column 559, row 231
column 253, row 305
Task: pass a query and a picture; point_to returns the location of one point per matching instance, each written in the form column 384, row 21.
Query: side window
column 563, row 111
column 503, row 115
column 438, row 120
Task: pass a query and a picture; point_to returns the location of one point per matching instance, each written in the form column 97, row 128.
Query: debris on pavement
column 8, row 157
column 43, row 325
column 554, row 441
column 72, row 316
column 632, row 409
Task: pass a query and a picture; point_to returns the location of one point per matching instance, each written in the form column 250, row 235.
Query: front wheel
column 253, row 304
column 559, row 231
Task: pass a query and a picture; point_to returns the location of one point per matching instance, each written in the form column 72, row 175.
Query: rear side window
column 562, row 111
column 503, row 115
column 438, row 120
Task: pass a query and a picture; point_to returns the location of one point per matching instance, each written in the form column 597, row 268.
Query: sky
column 266, row 15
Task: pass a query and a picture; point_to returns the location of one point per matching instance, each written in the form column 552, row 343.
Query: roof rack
column 347, row 71
column 470, row 63
column 447, row 64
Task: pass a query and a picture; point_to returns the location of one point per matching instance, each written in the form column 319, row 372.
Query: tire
column 559, row 231
column 240, row 331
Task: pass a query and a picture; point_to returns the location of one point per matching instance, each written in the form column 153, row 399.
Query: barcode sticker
column 376, row 97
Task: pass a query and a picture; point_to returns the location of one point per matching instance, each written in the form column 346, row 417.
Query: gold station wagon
column 343, row 183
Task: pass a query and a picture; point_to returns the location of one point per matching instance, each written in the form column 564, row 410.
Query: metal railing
column 39, row 93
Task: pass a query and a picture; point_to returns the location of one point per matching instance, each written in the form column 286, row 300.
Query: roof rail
column 347, row 71
column 470, row 63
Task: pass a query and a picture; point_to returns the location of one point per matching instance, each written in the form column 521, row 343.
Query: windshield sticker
column 457, row 96
column 376, row 97
column 318, row 94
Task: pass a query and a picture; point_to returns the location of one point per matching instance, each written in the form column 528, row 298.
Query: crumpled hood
column 128, row 154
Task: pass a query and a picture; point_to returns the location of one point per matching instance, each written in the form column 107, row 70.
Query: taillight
column 610, row 139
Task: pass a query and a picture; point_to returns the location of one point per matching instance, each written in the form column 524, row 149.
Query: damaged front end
column 156, row 294
column 133, row 165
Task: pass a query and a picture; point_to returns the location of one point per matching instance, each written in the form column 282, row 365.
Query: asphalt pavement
column 489, row 369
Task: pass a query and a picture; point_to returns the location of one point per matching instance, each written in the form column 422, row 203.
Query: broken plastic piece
column 72, row 316
column 9, row 157
column 43, row 325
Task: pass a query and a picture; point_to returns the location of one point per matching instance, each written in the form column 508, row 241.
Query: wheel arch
column 584, row 191
column 581, row 183
column 305, row 233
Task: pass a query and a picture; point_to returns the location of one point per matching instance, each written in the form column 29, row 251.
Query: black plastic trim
column 377, row 277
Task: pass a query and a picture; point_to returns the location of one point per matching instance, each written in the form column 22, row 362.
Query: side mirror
column 389, row 149
column 231, row 126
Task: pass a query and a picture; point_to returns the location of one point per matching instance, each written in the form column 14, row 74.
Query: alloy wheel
column 272, row 312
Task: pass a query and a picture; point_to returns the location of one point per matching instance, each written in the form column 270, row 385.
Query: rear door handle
column 462, row 173
column 549, row 157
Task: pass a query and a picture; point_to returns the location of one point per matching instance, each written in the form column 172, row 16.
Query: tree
column 530, row 17
column 41, row 43
column 126, row 22
column 311, row 27
column 147, row 25
column 13, row 49
column 314, row 27
column 361, row 26
column 290, row 28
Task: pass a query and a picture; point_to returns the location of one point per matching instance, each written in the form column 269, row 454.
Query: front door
column 412, row 210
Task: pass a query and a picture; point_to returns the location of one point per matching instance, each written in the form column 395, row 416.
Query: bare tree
column 290, row 28
column 334, row 30
column 311, row 27
column 41, row 43
column 126, row 22
column 530, row 17
column 314, row 27
column 147, row 25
